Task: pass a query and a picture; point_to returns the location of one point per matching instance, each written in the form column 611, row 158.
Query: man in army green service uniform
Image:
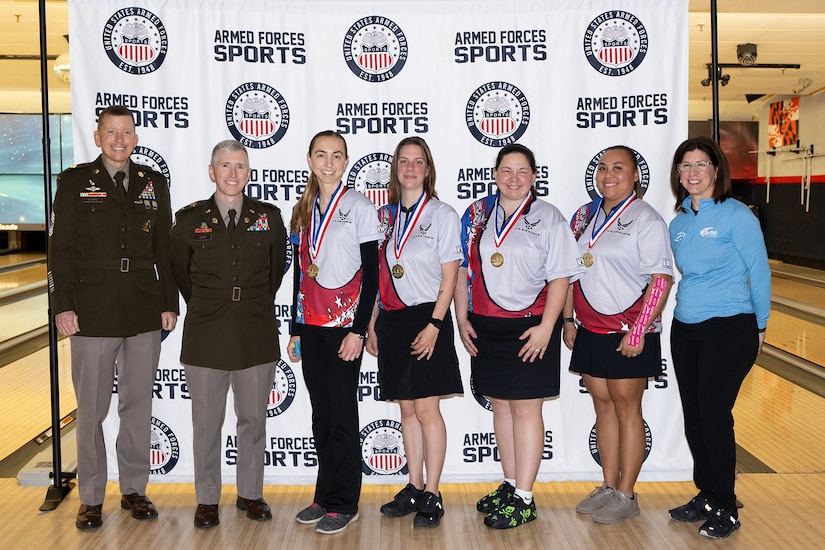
column 228, row 258
column 111, row 292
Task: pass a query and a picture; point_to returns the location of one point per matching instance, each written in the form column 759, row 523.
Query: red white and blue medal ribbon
column 401, row 237
column 497, row 259
column 614, row 215
column 318, row 229
column 501, row 232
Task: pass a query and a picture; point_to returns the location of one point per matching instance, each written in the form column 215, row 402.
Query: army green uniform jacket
column 109, row 254
column 229, row 283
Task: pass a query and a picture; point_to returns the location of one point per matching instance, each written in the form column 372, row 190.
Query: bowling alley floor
column 779, row 429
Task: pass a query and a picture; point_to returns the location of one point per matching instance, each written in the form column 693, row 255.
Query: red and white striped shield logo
column 386, row 463
column 497, row 126
column 156, row 457
column 256, row 127
column 275, row 397
column 136, row 53
column 375, row 61
column 616, row 55
column 379, row 197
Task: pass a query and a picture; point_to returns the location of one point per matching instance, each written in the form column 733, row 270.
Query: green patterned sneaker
column 496, row 499
column 512, row 514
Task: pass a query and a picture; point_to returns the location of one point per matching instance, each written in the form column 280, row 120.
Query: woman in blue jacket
column 722, row 308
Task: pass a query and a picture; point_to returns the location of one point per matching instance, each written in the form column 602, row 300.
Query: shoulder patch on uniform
column 73, row 168
column 148, row 169
column 190, row 206
column 263, row 204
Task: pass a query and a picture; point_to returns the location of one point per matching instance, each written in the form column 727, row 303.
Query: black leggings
column 711, row 359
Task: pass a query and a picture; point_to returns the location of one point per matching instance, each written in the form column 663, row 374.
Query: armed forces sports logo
column 382, row 449
column 257, row 115
column 497, row 113
column 590, row 174
column 371, row 176
column 375, row 48
column 615, row 43
column 149, row 157
column 593, row 444
column 480, row 399
column 164, row 450
column 135, row 40
column 288, row 263
column 283, row 390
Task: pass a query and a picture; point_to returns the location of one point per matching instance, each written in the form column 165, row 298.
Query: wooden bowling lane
column 25, row 409
column 24, row 303
column 780, row 423
column 24, row 277
column 11, row 261
column 801, row 292
column 23, row 315
column 796, row 336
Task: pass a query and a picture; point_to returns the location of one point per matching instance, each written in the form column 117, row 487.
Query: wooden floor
column 783, row 511
column 25, row 407
column 779, row 423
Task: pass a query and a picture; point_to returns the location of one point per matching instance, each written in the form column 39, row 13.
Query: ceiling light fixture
column 746, row 54
column 724, row 79
column 62, row 69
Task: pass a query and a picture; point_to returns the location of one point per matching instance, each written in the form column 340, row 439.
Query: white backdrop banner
column 566, row 78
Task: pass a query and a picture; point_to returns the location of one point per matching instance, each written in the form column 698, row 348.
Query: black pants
column 711, row 359
column 333, row 385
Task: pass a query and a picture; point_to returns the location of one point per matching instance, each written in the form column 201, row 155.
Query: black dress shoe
column 141, row 507
column 255, row 509
column 206, row 516
column 89, row 517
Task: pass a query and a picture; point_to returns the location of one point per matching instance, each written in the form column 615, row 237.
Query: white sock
column 510, row 481
column 526, row 496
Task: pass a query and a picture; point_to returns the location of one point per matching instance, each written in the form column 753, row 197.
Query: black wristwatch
column 437, row 323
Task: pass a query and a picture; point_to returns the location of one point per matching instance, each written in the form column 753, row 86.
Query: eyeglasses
column 701, row 166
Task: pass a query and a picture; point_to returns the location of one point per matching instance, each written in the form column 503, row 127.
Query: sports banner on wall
column 566, row 78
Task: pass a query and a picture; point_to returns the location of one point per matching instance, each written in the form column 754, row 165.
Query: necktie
column 231, row 224
column 119, row 177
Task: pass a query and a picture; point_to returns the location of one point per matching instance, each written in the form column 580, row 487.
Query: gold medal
column 312, row 271
column 397, row 271
column 588, row 259
column 497, row 259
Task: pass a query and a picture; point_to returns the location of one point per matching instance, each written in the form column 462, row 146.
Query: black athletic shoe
column 496, row 499
column 405, row 502
column 513, row 513
column 698, row 509
column 720, row 524
column 430, row 512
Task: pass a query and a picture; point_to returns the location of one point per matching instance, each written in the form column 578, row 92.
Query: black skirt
column 497, row 369
column 596, row 355
column 400, row 374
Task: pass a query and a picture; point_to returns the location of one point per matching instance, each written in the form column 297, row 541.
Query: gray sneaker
column 311, row 514
column 596, row 500
column 620, row 507
column 334, row 522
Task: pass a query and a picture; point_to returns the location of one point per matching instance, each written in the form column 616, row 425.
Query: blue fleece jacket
column 721, row 254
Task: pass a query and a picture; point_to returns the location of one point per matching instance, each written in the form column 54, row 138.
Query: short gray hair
column 228, row 145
